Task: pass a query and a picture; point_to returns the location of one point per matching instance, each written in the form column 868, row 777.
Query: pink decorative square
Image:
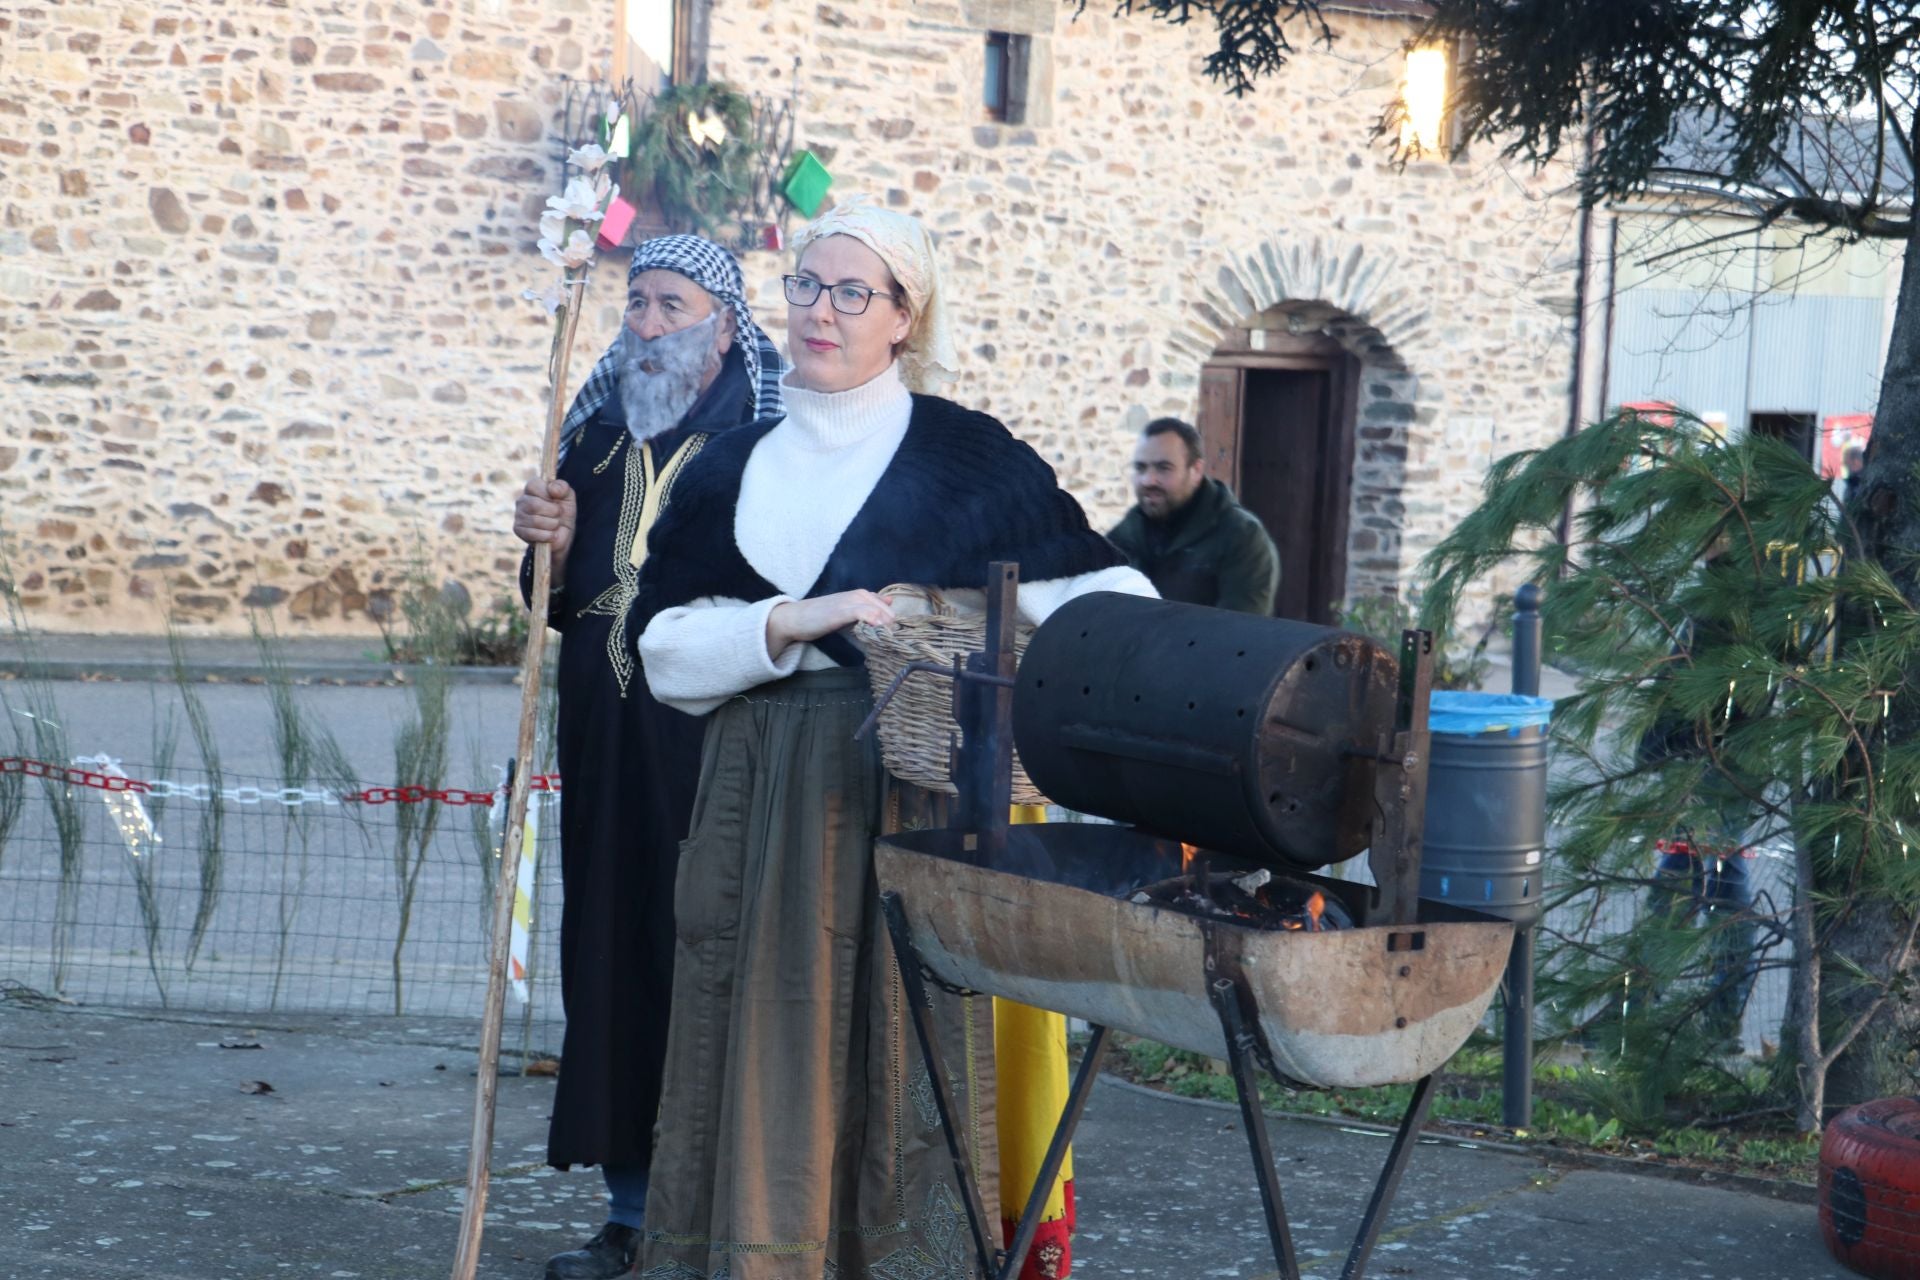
column 613, row 227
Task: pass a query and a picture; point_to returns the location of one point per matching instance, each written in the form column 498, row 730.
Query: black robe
column 629, row 768
column 960, row 492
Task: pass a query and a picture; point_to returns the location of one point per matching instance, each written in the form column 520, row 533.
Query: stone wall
column 1096, row 261
column 262, row 340
column 261, row 336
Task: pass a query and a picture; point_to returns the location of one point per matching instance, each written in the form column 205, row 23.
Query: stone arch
column 1346, row 291
column 1349, row 277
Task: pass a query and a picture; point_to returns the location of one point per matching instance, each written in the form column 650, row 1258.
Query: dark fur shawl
column 960, row 492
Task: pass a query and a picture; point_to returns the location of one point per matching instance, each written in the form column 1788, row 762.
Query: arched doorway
column 1278, row 424
column 1288, row 404
column 1307, row 408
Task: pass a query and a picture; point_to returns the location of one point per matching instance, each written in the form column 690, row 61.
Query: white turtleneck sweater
column 804, row 483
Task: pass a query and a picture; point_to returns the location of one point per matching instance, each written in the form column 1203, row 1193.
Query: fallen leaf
column 234, row 1042
column 255, row 1086
column 542, row 1067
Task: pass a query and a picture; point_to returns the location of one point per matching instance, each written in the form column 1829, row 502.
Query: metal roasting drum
column 1270, row 745
column 1247, row 735
column 1262, row 742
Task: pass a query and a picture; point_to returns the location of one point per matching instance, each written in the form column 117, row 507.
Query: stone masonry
column 263, row 342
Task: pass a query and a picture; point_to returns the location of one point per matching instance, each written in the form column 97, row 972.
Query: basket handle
column 936, row 602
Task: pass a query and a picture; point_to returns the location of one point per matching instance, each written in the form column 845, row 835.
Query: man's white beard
column 660, row 378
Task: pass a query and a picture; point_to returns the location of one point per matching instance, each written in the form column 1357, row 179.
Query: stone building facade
column 263, row 342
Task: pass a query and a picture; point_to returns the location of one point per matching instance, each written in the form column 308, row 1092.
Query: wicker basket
column 917, row 729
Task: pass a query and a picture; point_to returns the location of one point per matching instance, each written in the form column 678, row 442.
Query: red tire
column 1870, row 1188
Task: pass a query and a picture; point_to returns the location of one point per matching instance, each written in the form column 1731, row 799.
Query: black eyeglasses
column 847, row 299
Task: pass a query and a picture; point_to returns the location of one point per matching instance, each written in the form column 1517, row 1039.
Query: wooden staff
column 480, row 1148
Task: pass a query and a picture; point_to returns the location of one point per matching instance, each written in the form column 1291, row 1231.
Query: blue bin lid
column 1462, row 711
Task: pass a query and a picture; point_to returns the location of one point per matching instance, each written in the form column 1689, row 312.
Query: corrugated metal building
column 1781, row 334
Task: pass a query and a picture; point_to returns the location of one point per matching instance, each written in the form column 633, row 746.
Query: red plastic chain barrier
column 73, row 777
column 371, row 795
column 452, row 795
column 1687, row 849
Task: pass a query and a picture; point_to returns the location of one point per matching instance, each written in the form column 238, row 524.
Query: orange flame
column 1316, row 907
column 1187, row 854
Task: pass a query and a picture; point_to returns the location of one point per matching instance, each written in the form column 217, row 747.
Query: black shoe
column 613, row 1252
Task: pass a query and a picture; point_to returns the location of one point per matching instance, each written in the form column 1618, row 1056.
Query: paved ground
column 359, row 704
column 131, row 1150
column 355, row 659
column 351, row 659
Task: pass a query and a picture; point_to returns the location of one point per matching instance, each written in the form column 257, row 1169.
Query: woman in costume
column 797, row 1135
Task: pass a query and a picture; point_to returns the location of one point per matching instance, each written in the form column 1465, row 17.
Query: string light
column 1626, row 1004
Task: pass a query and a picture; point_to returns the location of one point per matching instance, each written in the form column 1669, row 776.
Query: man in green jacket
column 1186, row 532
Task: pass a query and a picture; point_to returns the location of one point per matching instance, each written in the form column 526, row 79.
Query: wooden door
column 1283, row 446
column 1279, row 429
column 1219, row 421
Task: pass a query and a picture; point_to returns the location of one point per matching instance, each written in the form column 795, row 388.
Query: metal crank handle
column 954, row 672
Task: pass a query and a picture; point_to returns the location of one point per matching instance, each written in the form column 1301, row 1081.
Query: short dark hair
column 1174, row 426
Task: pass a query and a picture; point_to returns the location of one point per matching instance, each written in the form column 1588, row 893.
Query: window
column 996, row 77
column 658, row 42
column 1423, row 100
column 1004, row 86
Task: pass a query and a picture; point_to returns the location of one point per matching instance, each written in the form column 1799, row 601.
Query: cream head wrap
column 927, row 359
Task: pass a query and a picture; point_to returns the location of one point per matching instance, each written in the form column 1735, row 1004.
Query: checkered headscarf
column 713, row 269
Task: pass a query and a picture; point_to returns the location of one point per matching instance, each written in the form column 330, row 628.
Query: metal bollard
column 1516, row 1057
column 1526, row 640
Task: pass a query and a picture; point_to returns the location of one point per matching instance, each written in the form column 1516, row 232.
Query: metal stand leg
column 1083, row 1080
column 1226, row 1003
column 1389, row 1184
column 1516, row 1058
column 918, row 1006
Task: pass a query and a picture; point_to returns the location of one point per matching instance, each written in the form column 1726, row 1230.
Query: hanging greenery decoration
column 695, row 150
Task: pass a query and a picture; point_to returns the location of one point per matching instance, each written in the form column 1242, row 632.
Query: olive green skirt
column 798, row 1136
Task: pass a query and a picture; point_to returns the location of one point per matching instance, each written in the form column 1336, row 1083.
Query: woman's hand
column 804, row 621
column 546, row 512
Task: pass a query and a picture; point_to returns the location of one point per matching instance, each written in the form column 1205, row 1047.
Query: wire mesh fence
column 1756, row 970
column 230, row 893
column 233, row 894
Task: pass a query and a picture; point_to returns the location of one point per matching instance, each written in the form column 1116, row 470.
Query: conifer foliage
column 1740, row 662
column 1801, row 117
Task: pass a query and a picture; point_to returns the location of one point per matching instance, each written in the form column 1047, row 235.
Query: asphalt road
column 140, row 1148
column 124, row 718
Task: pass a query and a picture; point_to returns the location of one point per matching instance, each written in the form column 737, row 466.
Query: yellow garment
column 1030, row 1059
column 643, row 492
column 655, row 493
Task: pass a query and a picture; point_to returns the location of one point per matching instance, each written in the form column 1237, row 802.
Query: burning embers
column 1255, row 899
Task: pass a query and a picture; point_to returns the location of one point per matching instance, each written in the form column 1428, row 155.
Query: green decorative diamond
column 805, row 183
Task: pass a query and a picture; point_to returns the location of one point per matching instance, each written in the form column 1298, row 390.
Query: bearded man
column 689, row 362
column 1186, row 532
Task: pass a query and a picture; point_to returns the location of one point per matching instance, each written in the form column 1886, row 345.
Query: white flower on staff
column 579, row 202
column 550, row 297
column 553, row 227
column 602, row 188
column 588, row 159
column 575, row 253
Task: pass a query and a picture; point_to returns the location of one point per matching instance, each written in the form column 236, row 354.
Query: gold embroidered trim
column 643, row 495
column 609, row 458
